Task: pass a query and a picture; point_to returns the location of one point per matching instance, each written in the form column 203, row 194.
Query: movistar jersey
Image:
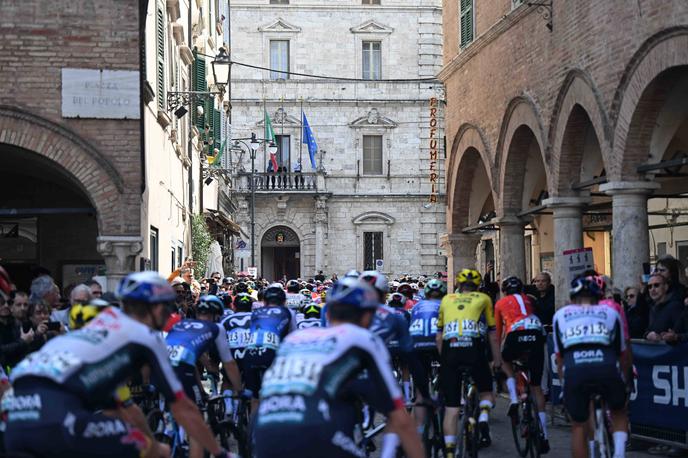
column 269, row 325
column 423, row 328
column 391, row 325
column 189, row 339
column 238, row 329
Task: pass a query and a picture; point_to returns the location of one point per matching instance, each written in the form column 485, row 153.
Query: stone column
column 630, row 233
column 568, row 235
column 460, row 250
column 320, row 233
column 119, row 253
column 512, row 251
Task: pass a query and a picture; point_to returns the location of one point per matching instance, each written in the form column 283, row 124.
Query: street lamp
column 221, row 66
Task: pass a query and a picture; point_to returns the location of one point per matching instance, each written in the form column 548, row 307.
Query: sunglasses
column 654, row 285
column 630, row 296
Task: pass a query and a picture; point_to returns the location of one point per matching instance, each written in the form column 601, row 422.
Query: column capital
column 449, row 240
column 512, row 220
column 119, row 253
column 629, row 187
column 564, row 202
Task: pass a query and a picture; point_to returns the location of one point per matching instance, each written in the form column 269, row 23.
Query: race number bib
column 239, row 338
column 416, row 328
column 470, row 328
column 292, row 375
column 56, row 366
column 528, row 323
column 265, row 339
column 177, row 354
column 589, row 333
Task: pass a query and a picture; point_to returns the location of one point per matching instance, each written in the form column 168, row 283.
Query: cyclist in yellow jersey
column 460, row 344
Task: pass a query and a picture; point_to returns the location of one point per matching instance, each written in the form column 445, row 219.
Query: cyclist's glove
column 246, row 394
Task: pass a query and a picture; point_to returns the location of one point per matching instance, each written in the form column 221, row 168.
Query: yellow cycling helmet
column 80, row 314
column 469, row 276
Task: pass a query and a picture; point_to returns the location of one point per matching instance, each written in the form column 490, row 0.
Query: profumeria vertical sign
column 434, row 134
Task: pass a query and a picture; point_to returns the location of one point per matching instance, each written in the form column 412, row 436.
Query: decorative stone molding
column 373, row 119
column 178, row 33
column 372, row 26
column 373, row 217
column 119, row 253
column 279, row 25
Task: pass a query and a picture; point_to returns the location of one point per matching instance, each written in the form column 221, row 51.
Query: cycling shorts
column 453, row 361
column 530, row 342
column 256, row 362
column 580, row 383
column 40, row 409
column 426, row 357
column 187, row 376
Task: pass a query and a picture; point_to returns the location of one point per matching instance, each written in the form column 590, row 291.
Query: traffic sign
column 379, row 264
column 577, row 261
column 253, row 272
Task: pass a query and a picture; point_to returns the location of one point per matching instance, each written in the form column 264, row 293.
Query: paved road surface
column 503, row 443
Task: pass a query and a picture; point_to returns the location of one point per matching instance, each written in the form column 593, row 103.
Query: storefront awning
column 223, row 220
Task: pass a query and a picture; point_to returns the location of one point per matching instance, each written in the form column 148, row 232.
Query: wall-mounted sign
column 434, row 172
column 279, row 237
column 106, row 94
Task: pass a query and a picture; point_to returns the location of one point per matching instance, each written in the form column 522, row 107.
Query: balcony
column 278, row 182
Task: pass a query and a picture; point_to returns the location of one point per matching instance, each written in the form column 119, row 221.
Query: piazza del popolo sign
column 105, row 94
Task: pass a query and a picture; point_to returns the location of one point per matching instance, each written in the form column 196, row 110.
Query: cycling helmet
column 80, row 314
column 311, row 311
column 147, row 287
column 512, row 285
column 353, row 292
column 305, row 293
column 5, row 282
column 210, row 304
column 585, row 286
column 405, row 289
column 396, row 300
column 353, row 273
column 435, row 286
column 469, row 276
column 293, row 286
column 240, row 287
column 274, row 294
column 243, row 300
column 376, row 280
column 393, row 286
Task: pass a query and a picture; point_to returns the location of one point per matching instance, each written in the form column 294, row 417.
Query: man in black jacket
column 544, row 298
column 665, row 310
column 14, row 342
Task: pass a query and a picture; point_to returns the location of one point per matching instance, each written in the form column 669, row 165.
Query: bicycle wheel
column 474, row 431
column 519, row 429
column 534, row 431
column 603, row 440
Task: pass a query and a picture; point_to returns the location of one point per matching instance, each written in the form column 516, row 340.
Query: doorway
column 280, row 254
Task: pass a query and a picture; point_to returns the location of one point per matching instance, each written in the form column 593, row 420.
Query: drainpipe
column 143, row 12
column 189, row 147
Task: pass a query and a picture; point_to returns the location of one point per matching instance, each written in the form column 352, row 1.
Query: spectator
column 19, row 305
column 14, row 341
column 96, row 289
column 544, row 298
column 44, row 289
column 636, row 313
column 320, row 276
column 41, row 325
column 669, row 268
column 665, row 311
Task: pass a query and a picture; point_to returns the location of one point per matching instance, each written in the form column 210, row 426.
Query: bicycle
column 602, row 434
column 525, row 425
column 236, row 425
column 468, row 433
column 433, row 435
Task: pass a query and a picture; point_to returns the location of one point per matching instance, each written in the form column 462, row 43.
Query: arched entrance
column 45, row 220
column 280, row 250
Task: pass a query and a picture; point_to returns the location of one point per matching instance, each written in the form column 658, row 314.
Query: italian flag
column 270, row 137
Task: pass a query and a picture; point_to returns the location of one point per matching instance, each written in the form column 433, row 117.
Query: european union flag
column 309, row 140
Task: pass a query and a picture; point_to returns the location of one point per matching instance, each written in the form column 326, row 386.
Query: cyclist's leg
column 577, row 404
column 426, row 358
column 482, row 376
column 187, row 376
column 615, row 397
column 509, row 353
column 450, row 388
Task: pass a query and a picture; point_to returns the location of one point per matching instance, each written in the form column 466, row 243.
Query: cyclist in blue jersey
column 188, row 340
column 312, row 385
column 392, row 326
column 269, row 325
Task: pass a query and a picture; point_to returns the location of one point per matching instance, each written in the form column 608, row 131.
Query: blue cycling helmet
column 147, row 287
column 353, row 292
column 210, row 304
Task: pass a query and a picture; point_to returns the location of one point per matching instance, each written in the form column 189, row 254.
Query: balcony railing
column 278, row 182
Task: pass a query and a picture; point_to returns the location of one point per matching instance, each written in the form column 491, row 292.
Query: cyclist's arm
column 133, row 415
column 498, row 321
column 401, row 423
column 494, row 343
column 228, row 364
column 188, row 416
column 440, row 326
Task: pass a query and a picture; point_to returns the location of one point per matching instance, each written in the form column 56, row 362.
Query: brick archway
column 640, row 96
column 578, row 108
column 79, row 161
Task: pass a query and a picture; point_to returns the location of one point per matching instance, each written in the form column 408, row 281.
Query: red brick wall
column 39, row 38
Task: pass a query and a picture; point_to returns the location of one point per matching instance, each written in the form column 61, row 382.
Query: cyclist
column 589, row 341
column 396, row 300
column 80, row 314
column 423, row 329
column 309, row 387
column 294, row 297
column 460, row 343
column 238, row 327
column 59, row 389
column 308, row 317
column 408, row 292
column 520, row 332
column 269, row 325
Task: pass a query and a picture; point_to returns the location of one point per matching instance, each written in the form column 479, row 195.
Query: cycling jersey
column 304, row 323
column 189, row 339
column 423, row 328
column 238, row 329
column 309, row 388
column 589, row 339
column 620, row 310
column 391, row 325
column 269, row 325
column 460, row 314
column 294, row 301
column 515, row 313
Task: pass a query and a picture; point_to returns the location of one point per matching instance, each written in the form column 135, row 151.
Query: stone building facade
column 369, row 196
column 560, row 125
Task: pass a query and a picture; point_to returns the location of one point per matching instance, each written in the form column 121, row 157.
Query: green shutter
column 466, row 22
column 200, row 85
column 160, row 58
column 217, row 128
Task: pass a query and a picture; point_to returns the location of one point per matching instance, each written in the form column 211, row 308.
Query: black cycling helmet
column 274, row 295
column 210, row 304
column 512, row 285
column 587, row 286
column 311, row 311
column 240, row 287
column 293, row 286
column 243, row 302
column 406, row 289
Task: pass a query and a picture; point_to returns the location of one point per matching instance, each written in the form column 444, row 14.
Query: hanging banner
column 434, row 134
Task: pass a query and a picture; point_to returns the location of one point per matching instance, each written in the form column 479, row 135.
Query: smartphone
column 646, row 268
column 646, row 278
column 53, row 325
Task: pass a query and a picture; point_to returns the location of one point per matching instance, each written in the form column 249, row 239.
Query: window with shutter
column 199, row 85
column 372, row 155
column 160, row 51
column 217, row 126
column 466, row 22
